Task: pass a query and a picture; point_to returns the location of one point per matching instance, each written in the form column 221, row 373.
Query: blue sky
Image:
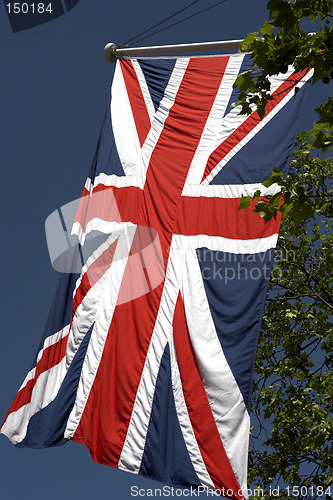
column 54, row 86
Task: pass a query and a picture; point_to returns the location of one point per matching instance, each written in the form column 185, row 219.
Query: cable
column 158, row 24
column 178, row 22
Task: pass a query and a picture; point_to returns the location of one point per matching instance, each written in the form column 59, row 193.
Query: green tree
column 291, row 443
column 293, row 389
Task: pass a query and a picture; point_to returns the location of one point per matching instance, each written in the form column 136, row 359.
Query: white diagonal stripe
column 51, row 340
column 144, row 89
column 185, row 423
column 98, row 252
column 105, row 305
column 231, row 120
column 43, row 393
column 162, row 114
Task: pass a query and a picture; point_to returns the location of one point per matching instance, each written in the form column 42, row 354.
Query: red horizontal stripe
column 101, row 205
column 109, row 203
column 203, row 423
column 221, row 217
column 197, row 215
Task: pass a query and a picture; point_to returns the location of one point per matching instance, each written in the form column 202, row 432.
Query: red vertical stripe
column 203, row 423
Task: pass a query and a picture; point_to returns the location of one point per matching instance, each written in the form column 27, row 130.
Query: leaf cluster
column 294, row 196
column 282, row 42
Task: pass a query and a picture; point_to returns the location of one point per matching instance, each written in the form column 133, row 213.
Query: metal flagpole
column 112, row 53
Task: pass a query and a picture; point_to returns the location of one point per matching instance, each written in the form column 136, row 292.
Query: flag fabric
column 148, row 352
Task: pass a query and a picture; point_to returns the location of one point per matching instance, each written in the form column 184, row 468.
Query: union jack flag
column 148, row 352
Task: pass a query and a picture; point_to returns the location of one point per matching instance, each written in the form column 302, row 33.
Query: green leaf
column 245, row 202
column 325, row 112
column 275, row 178
column 267, row 28
column 243, row 81
column 249, row 40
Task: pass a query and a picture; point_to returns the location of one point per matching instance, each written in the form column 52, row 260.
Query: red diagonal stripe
column 203, row 423
column 52, row 355
column 104, row 423
column 136, row 99
column 94, row 274
column 246, row 127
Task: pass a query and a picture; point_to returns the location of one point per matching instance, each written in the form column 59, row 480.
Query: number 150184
column 29, row 8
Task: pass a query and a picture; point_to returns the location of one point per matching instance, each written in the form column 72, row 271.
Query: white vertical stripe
column 131, row 456
column 225, row 399
column 123, row 124
column 132, row 452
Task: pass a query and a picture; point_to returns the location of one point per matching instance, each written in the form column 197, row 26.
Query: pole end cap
column 109, row 50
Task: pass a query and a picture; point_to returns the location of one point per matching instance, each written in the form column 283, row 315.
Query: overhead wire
column 173, row 24
column 159, row 23
column 181, row 20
